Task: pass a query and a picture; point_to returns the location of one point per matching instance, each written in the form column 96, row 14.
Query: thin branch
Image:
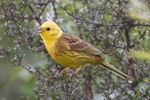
column 54, row 9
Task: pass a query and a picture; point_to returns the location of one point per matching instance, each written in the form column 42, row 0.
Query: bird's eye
column 48, row 29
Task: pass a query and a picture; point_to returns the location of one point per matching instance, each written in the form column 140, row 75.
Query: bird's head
column 49, row 30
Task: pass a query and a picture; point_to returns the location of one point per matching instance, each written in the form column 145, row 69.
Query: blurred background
column 120, row 28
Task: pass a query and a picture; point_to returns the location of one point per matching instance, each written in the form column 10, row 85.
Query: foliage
column 140, row 55
column 117, row 27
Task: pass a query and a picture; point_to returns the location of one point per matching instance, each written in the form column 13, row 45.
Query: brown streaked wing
column 76, row 44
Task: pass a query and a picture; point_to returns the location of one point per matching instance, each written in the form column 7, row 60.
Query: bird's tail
column 116, row 71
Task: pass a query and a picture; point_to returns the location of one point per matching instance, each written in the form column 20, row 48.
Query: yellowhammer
column 70, row 51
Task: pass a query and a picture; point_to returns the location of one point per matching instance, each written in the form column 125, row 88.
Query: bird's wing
column 76, row 44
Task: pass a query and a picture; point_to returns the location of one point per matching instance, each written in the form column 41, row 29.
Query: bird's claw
column 71, row 75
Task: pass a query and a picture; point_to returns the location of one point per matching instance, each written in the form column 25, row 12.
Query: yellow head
column 50, row 31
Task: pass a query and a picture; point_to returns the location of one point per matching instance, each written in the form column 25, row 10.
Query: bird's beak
column 39, row 30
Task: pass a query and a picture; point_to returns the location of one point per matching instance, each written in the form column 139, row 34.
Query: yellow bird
column 72, row 52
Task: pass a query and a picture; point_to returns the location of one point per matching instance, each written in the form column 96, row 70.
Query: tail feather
column 115, row 70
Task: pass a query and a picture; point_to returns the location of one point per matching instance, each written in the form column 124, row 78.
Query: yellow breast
column 50, row 46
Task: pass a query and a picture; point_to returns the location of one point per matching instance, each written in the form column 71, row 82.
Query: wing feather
column 76, row 44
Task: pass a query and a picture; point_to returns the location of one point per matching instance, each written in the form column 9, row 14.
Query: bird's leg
column 63, row 71
column 71, row 74
column 77, row 70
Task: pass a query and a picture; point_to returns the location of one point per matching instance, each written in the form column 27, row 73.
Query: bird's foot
column 62, row 72
column 71, row 75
